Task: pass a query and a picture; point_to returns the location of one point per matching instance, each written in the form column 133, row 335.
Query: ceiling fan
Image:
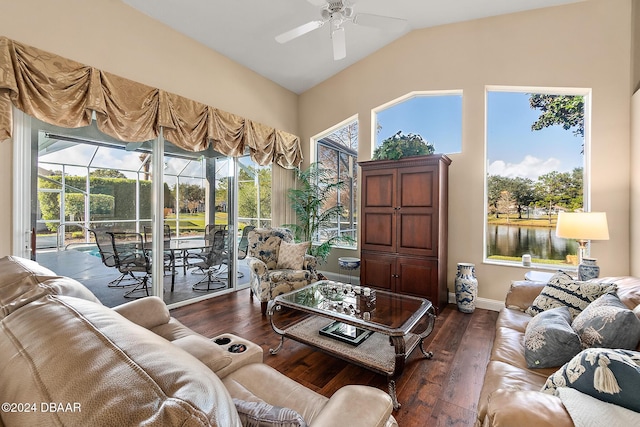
column 337, row 13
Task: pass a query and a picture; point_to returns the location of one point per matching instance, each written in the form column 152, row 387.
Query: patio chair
column 131, row 257
column 104, row 241
column 167, row 255
column 210, row 261
column 274, row 272
column 243, row 245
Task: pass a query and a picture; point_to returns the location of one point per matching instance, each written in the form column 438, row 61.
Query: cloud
column 530, row 167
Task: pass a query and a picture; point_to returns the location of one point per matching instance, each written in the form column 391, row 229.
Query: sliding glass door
column 84, row 183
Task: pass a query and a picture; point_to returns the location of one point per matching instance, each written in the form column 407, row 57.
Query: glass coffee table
column 374, row 329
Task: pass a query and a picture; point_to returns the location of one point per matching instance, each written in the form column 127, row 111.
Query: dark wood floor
column 442, row 391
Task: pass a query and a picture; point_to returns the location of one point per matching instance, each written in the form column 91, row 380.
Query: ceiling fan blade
column 339, row 43
column 318, row 2
column 299, row 31
column 383, row 22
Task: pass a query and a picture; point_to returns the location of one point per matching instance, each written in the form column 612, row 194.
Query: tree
column 190, row 196
column 107, row 173
column 347, row 136
column 505, row 202
column 552, row 189
column 495, row 185
column 520, row 192
column 564, row 110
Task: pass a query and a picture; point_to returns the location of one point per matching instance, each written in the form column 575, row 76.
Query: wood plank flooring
column 442, row 391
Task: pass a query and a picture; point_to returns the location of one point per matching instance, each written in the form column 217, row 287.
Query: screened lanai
column 87, row 181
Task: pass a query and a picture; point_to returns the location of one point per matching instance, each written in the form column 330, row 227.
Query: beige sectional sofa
column 65, row 359
column 511, row 393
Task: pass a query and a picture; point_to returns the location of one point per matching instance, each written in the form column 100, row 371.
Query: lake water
column 540, row 242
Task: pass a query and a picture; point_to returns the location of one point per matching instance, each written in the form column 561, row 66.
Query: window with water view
column 536, row 150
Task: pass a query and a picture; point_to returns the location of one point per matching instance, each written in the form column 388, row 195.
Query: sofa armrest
column 147, row 312
column 355, row 405
column 522, row 293
column 205, row 351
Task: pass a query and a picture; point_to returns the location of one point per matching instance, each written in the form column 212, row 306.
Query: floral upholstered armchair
column 277, row 265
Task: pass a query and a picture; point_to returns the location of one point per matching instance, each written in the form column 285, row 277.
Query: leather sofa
column 65, row 359
column 510, row 394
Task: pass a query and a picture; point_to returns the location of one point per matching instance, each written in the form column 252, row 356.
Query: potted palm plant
column 311, row 200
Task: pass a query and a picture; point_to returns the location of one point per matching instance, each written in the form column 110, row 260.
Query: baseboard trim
column 484, row 303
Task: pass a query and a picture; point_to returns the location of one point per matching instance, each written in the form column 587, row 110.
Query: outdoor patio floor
column 91, row 272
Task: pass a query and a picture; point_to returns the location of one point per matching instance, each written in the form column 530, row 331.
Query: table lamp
column 583, row 226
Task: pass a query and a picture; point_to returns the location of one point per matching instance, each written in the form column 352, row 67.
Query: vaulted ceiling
column 245, row 30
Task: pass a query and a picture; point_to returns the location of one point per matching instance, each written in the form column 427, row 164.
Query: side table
column 348, row 264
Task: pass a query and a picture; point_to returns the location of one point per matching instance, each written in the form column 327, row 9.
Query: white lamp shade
column 582, row 225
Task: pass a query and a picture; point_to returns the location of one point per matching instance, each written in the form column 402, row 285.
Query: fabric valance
column 65, row 93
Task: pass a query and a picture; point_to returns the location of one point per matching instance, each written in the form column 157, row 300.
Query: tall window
column 536, row 157
column 337, row 151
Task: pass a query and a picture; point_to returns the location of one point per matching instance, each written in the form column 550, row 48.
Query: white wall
column 585, row 45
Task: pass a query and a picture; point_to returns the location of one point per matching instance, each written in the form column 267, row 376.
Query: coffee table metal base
column 379, row 353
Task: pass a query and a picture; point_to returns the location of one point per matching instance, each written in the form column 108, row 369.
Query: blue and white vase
column 588, row 269
column 466, row 286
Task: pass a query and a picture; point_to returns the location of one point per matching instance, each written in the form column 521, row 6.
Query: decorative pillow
column 608, row 323
column 291, row 255
column 563, row 290
column 609, row 375
column 261, row 414
column 549, row 340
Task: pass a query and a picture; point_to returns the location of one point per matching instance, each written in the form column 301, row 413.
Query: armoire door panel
column 377, row 271
column 379, row 190
column 416, row 234
column 380, row 231
column 417, row 277
column 416, row 188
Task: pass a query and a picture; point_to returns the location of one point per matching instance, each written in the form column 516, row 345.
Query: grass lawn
column 524, row 222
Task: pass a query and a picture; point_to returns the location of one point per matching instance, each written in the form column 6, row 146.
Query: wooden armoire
column 403, row 231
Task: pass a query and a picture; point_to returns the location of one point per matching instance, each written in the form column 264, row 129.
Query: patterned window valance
column 65, row 93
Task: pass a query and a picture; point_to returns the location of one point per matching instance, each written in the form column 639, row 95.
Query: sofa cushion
column 608, row 323
column 550, row 340
column 65, row 349
column 611, row 375
column 261, row 414
column 563, row 290
column 291, row 255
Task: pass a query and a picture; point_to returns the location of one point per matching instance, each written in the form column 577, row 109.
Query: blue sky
column 437, row 118
column 513, row 149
